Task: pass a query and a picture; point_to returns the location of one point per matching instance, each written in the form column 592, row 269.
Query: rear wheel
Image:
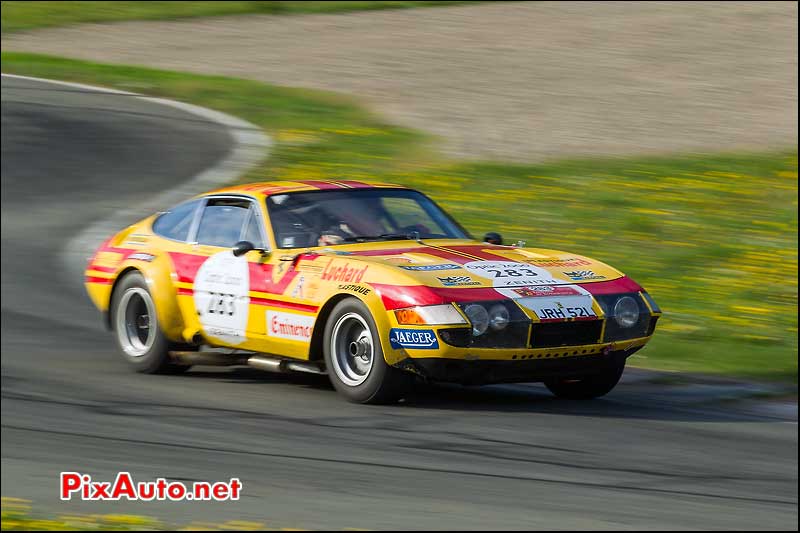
column 354, row 357
column 589, row 387
column 136, row 329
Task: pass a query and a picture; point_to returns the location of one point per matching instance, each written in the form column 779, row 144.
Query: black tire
column 136, row 328
column 589, row 387
column 350, row 326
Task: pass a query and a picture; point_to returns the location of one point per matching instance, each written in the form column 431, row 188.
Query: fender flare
column 158, row 274
column 379, row 314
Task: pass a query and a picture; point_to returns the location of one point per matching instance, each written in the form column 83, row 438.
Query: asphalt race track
column 449, row 457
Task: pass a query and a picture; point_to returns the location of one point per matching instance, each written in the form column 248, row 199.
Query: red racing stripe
column 187, row 265
column 254, row 300
column 285, row 305
column 436, row 252
column 397, row 297
column 623, row 284
column 322, row 185
column 99, row 281
column 355, row 184
column 479, row 251
column 109, row 270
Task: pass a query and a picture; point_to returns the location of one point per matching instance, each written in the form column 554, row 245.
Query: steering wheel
column 422, row 229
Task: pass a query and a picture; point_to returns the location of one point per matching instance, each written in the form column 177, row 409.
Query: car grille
column 550, row 335
column 514, row 336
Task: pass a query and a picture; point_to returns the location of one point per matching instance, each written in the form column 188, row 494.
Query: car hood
column 468, row 264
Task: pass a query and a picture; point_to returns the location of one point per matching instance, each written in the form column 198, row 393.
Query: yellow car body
column 277, row 300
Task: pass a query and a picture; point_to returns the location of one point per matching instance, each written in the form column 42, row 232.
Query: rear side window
column 253, row 231
column 176, row 223
column 222, row 222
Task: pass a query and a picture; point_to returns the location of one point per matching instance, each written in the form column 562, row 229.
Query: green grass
column 713, row 237
column 17, row 515
column 27, row 15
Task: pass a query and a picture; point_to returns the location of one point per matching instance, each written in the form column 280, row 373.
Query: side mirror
column 493, row 238
column 242, row 247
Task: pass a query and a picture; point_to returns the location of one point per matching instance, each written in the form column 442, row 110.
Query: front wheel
column 589, row 387
column 136, row 329
column 354, row 357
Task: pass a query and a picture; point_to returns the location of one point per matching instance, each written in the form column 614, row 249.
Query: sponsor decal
column 335, row 271
column 290, row 326
column 427, row 268
column 581, row 275
column 455, row 281
column 221, row 296
column 141, row 256
column 511, row 273
column 355, row 288
column 569, row 262
column 545, row 290
column 416, row 339
column 558, row 302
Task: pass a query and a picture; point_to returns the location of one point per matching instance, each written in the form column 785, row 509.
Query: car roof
column 268, row 188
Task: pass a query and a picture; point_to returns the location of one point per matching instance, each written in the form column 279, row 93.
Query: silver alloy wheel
column 353, row 354
column 136, row 322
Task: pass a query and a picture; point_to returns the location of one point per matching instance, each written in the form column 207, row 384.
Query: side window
column 253, row 232
column 176, row 223
column 222, row 221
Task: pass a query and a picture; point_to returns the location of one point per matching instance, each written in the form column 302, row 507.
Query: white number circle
column 221, row 296
column 511, row 273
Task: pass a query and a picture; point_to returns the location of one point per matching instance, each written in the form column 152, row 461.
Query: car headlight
column 479, row 317
column 498, row 317
column 626, row 312
column 431, row 315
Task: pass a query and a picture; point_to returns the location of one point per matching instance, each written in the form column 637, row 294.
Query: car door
column 222, row 283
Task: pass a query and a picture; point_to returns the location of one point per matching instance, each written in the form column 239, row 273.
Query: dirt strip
column 518, row 81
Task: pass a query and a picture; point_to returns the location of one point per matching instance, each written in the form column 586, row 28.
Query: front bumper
column 485, row 372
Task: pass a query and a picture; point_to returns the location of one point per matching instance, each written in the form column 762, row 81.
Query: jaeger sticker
column 416, row 339
column 221, row 296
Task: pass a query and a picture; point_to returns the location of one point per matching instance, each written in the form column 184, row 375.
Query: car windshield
column 329, row 218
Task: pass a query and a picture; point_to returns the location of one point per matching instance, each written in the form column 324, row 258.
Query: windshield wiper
column 381, row 237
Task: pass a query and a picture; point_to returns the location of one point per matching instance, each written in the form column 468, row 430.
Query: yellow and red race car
column 371, row 284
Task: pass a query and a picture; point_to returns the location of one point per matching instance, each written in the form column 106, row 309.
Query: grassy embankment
column 27, row 15
column 18, row 516
column 713, row 237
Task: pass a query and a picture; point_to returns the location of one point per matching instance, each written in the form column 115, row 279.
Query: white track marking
column 250, row 146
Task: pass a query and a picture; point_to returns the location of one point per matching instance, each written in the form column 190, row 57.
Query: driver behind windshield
column 300, row 221
column 356, row 217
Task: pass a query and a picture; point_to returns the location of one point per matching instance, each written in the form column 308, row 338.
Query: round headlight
column 626, row 312
column 498, row 317
column 479, row 318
